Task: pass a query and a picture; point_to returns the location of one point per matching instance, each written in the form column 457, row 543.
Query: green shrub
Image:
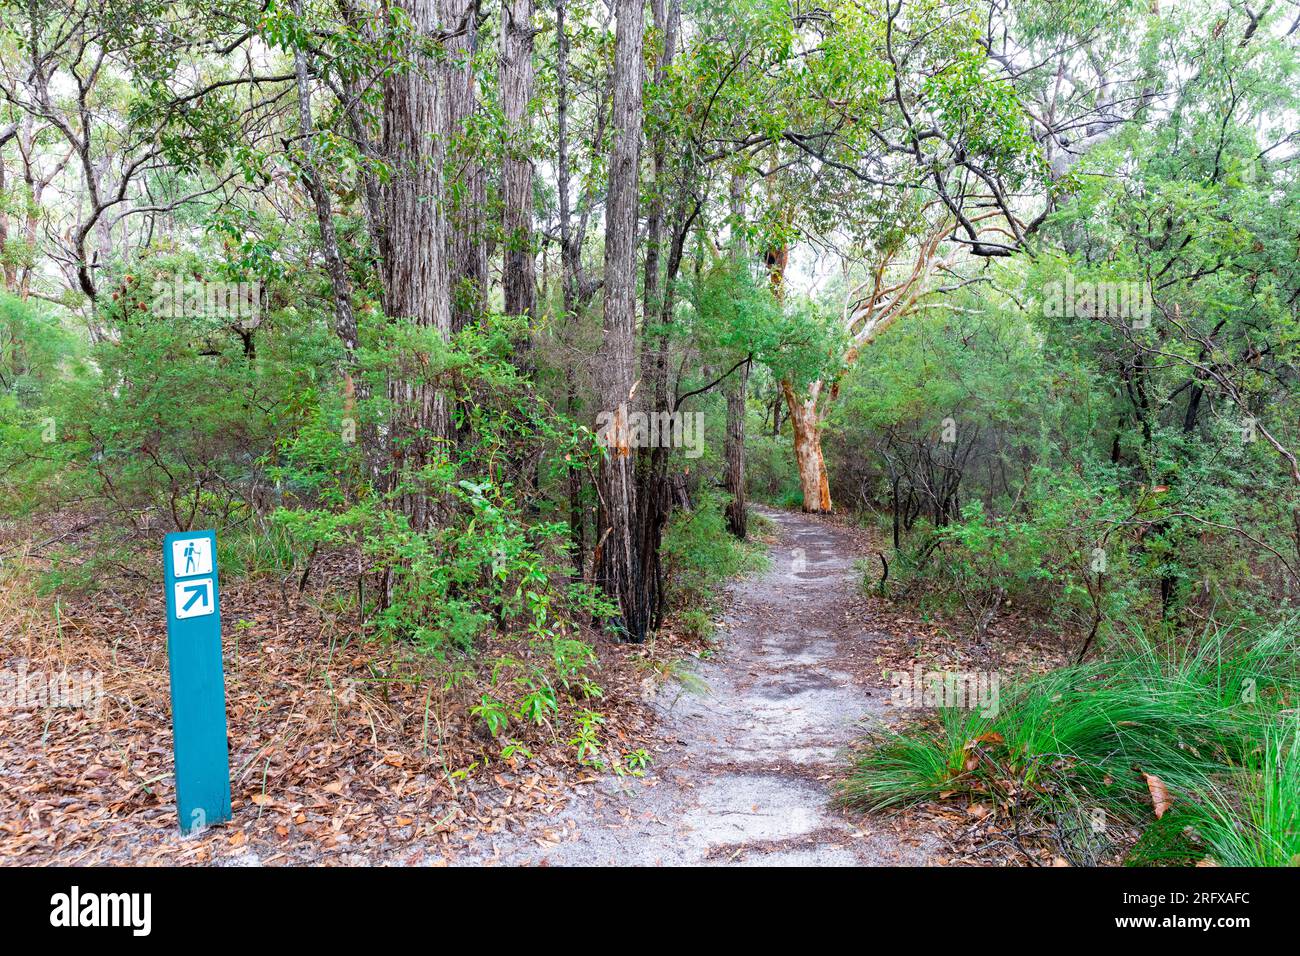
column 699, row 555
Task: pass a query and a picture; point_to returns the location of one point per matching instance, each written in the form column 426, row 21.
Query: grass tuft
column 1083, row 743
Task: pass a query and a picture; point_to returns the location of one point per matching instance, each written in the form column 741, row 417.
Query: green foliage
column 737, row 316
column 37, row 355
column 698, row 555
column 1253, row 819
column 1084, row 739
column 488, row 564
column 984, row 112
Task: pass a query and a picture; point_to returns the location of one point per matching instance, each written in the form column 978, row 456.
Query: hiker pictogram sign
column 198, row 684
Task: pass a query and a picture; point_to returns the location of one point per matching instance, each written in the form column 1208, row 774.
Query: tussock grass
column 1083, row 743
column 1255, row 819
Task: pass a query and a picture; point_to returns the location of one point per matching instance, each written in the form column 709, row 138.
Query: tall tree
column 617, row 549
column 518, row 279
column 737, row 387
column 467, row 198
column 345, row 320
column 416, row 273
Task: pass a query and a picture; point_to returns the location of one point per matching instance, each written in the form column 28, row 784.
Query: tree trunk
column 654, row 490
column 735, row 451
column 518, row 280
column 345, row 322
column 666, row 20
column 569, row 267
column 737, row 391
column 416, row 276
column 805, row 420
column 617, row 549
column 8, row 266
column 576, row 292
column 359, row 121
column 468, row 268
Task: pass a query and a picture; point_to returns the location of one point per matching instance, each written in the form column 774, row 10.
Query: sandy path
column 745, row 771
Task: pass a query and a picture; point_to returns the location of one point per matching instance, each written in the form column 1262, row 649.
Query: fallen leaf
column 1160, row 799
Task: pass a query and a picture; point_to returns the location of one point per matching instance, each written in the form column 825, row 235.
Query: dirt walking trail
column 746, row 766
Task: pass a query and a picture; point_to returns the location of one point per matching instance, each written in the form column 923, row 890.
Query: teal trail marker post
column 198, row 685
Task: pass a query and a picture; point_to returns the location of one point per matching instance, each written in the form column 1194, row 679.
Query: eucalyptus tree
column 85, row 76
column 901, row 139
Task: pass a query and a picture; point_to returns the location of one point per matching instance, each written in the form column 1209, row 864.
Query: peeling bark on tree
column 805, row 421
column 805, row 416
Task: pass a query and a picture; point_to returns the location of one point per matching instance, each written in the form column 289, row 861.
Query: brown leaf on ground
column 1160, row 799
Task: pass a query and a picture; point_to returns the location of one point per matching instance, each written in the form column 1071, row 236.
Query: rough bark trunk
column 737, row 390
column 468, row 268
column 569, row 267
column 518, row 279
column 616, row 564
column 576, row 290
column 654, row 490
column 416, row 276
column 9, row 266
column 666, row 19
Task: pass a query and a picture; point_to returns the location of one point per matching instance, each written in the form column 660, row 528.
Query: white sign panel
column 193, row 598
column 191, row 556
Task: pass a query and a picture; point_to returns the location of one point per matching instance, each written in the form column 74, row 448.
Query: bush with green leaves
column 699, row 555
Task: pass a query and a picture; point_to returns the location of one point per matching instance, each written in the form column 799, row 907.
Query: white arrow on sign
column 193, row 598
